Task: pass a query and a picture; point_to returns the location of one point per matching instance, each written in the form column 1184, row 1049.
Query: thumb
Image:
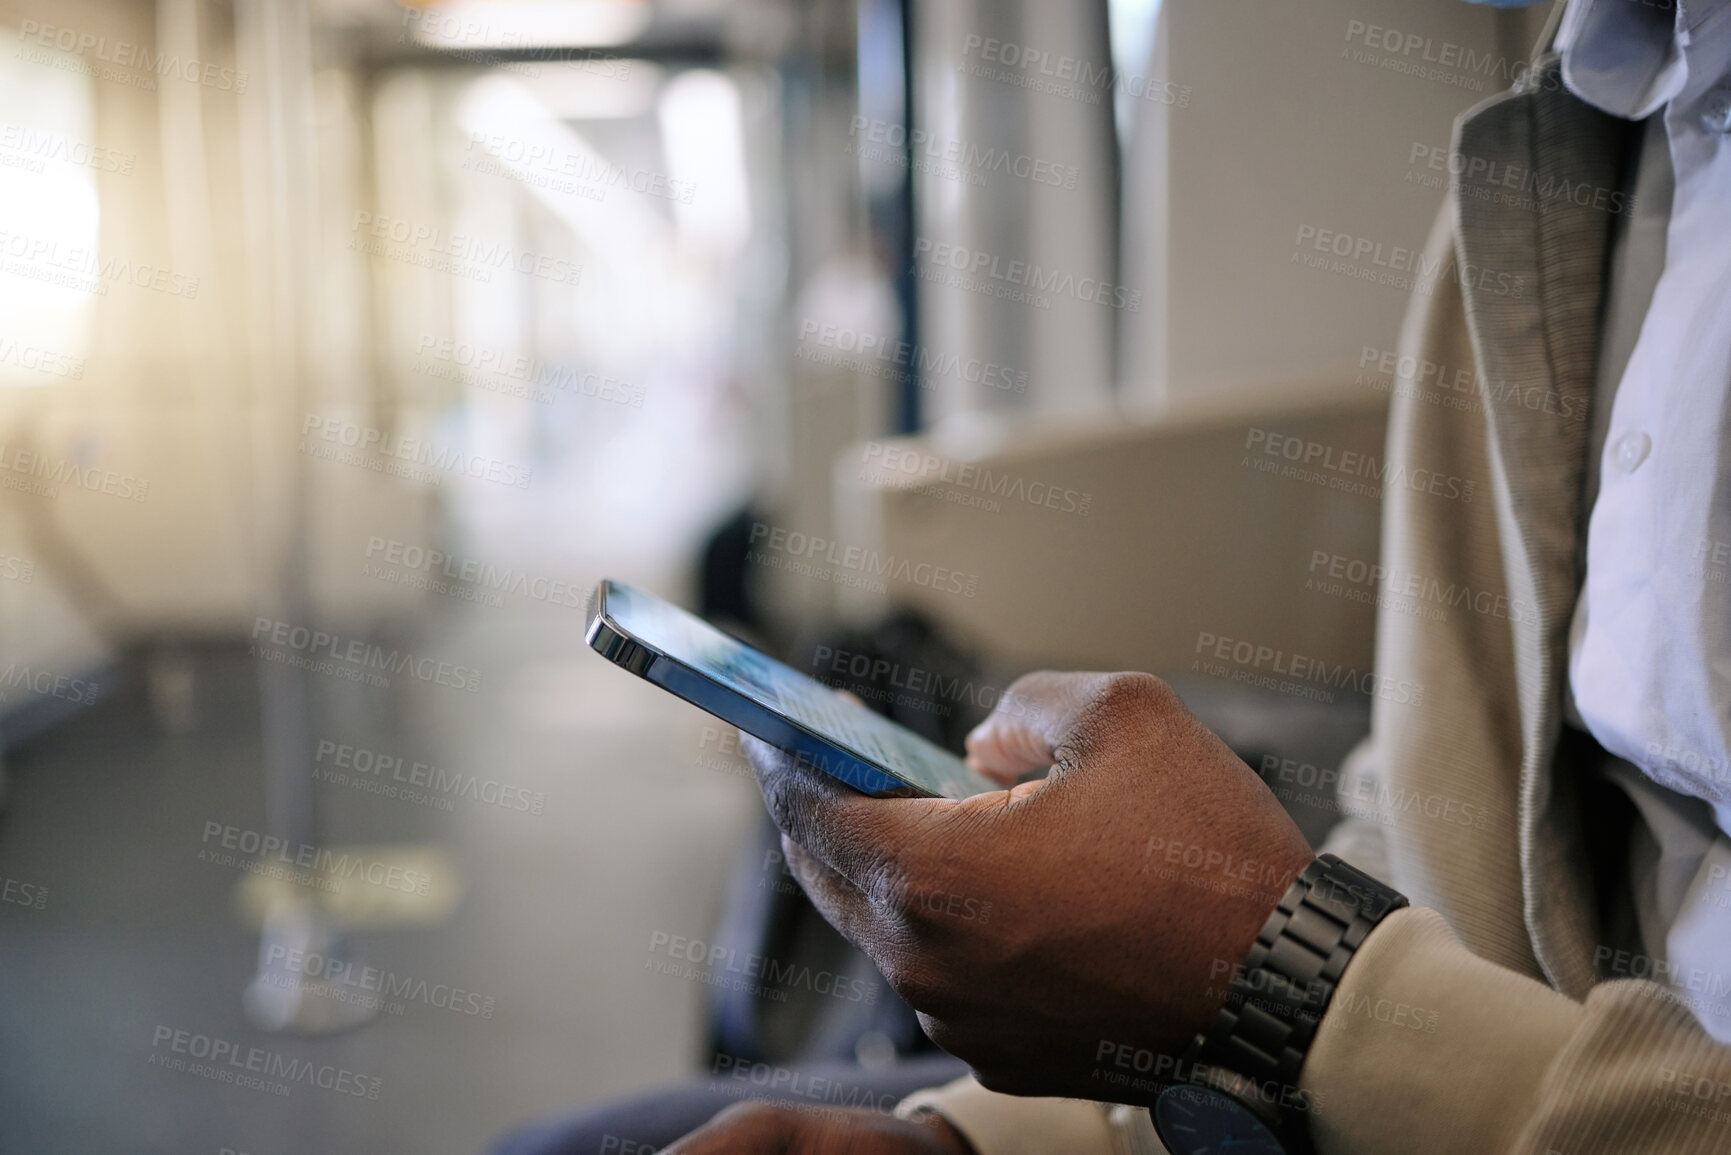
column 755, row 1127
column 1033, row 719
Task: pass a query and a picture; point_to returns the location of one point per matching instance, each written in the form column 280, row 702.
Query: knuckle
column 785, row 800
column 911, row 858
column 1133, row 691
column 995, row 1066
column 902, row 885
column 916, row 985
column 894, row 892
column 754, row 1115
column 1003, row 1082
column 1029, row 684
column 795, row 857
column 1026, row 694
column 1122, row 704
column 939, row 1031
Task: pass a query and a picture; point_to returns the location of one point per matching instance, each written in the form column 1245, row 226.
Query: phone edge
column 612, row 641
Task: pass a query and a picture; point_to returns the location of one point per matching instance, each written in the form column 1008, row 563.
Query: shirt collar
column 1625, row 57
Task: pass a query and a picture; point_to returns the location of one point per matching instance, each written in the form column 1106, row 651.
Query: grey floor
column 551, row 917
column 553, row 921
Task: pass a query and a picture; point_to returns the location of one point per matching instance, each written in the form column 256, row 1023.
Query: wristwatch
column 1238, row 1085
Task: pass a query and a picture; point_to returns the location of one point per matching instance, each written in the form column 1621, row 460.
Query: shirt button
column 1632, row 449
column 1716, row 110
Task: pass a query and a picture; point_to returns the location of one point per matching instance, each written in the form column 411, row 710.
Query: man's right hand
column 772, row 1129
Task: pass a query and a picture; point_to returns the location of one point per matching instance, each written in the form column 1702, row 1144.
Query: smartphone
column 685, row 655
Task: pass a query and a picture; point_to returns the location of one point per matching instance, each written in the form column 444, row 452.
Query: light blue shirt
column 1650, row 645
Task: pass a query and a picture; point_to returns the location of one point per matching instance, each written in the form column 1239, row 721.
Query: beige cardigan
column 1530, row 1052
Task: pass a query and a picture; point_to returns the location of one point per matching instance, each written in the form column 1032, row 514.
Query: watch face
column 1198, row 1121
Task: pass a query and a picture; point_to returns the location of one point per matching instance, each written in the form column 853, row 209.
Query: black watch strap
column 1278, row 996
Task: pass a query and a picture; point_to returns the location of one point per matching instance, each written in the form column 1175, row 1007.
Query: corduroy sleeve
column 1009, row 1125
column 1429, row 1048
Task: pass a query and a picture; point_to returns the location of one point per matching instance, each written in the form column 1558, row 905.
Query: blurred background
column 345, row 344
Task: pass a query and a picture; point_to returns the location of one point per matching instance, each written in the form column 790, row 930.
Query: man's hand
column 1071, row 935
column 769, row 1129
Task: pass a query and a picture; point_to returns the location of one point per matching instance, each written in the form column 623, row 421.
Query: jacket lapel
column 1532, row 264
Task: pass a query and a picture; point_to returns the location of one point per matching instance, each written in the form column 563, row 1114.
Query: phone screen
column 784, row 691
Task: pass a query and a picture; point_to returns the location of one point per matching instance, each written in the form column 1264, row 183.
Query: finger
column 1033, row 719
column 994, row 770
column 742, row 1129
column 859, row 836
column 840, row 902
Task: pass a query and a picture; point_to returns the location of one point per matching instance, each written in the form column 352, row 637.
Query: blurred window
column 49, row 260
column 605, row 288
